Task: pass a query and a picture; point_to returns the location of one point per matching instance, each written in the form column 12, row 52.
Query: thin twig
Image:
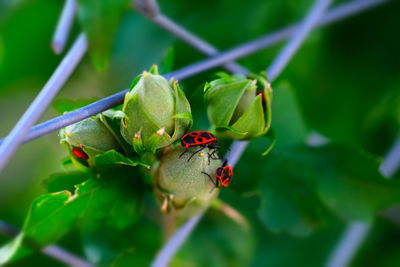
column 273, row 38
column 168, row 251
column 148, row 7
column 52, row 251
column 64, row 26
column 353, row 236
column 188, row 37
column 42, row 101
column 175, row 242
column 391, row 163
column 340, row 12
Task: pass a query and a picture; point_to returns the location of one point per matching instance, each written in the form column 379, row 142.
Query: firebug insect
column 203, row 139
column 224, row 175
column 79, row 153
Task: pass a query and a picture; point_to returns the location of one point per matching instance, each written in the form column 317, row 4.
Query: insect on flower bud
column 182, row 186
column 86, row 139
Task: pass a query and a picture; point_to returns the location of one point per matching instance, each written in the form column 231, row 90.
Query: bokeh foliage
column 342, row 83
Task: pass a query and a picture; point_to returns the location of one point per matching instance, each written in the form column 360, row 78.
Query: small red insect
column 198, row 138
column 203, row 139
column 79, row 153
column 224, row 175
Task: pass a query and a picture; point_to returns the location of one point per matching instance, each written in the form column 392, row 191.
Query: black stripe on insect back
column 207, row 135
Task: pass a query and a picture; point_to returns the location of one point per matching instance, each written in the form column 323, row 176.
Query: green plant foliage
column 100, row 20
column 226, row 242
column 289, row 208
column 99, row 202
column 49, row 217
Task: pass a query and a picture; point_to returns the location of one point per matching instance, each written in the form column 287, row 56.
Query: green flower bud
column 157, row 112
column 181, row 185
column 239, row 107
column 86, row 139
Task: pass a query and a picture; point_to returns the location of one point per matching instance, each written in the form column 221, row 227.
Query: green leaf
column 289, row 203
column 350, row 184
column 109, row 202
column 111, row 199
column 112, row 157
column 347, row 181
column 226, row 243
column 289, row 125
column 49, row 218
column 100, row 20
column 133, row 246
column 65, row 181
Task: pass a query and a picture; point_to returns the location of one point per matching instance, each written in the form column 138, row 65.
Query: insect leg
column 214, row 183
column 194, row 153
column 184, row 152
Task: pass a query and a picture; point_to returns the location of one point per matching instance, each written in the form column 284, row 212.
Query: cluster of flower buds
column 155, row 114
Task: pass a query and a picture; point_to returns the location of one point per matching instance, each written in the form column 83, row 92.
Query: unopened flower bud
column 155, row 108
column 239, row 107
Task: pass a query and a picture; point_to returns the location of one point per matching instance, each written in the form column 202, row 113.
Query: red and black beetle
column 224, row 175
column 198, row 138
column 203, row 139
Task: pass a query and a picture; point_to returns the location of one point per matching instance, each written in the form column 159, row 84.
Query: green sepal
column 135, row 81
column 252, row 120
column 137, row 143
column 223, row 129
column 119, row 114
column 271, row 135
column 112, row 120
column 183, row 116
column 154, row 70
column 153, row 142
column 222, row 101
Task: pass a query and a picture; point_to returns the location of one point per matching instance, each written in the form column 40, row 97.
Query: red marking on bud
column 79, row 153
column 263, row 99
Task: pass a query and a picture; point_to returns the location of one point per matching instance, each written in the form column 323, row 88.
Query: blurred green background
column 343, row 83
